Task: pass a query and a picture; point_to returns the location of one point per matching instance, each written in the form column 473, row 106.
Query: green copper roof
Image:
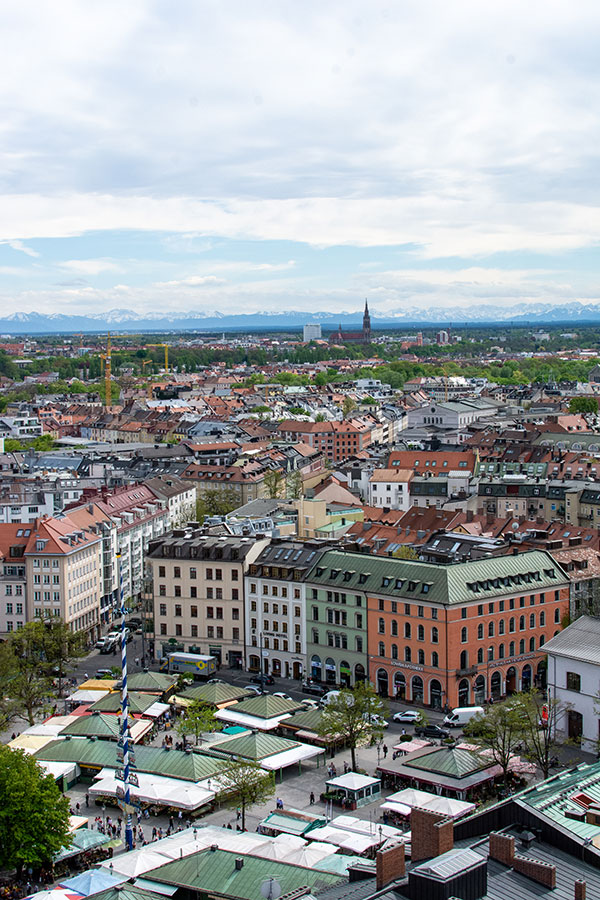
column 125, row 892
column 154, row 760
column 138, row 703
column 157, row 682
column 267, row 706
column 98, row 724
column 449, row 584
column 254, row 746
column 308, row 720
column 450, row 762
column 215, row 694
column 214, row 872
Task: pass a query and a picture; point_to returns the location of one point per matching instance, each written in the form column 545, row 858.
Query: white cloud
column 91, row 266
column 22, row 248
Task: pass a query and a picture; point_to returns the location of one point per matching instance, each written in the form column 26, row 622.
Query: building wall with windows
column 198, row 592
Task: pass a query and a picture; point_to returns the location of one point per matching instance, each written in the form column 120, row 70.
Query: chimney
column 431, row 834
column 580, row 889
column 239, row 863
column 390, row 865
column 469, row 515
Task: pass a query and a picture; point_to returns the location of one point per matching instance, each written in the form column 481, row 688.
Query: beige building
column 198, row 592
column 51, row 568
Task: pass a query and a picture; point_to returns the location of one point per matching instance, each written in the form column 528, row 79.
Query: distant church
column 354, row 337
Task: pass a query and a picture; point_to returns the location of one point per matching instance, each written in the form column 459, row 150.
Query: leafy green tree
column 273, row 483
column 583, row 405
column 24, row 672
column 356, row 713
column 216, row 502
column 295, row 485
column 539, row 718
column 199, row 717
column 319, row 417
column 248, row 783
column 500, row 730
column 43, row 442
column 34, row 815
column 61, row 648
column 406, row 552
column 12, row 445
column 348, row 405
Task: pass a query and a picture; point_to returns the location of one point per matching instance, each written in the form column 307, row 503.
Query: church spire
column 366, row 325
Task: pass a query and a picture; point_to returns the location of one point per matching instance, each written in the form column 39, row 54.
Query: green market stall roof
column 138, row 702
column 215, row 694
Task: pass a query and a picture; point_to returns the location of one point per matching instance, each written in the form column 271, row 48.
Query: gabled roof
column 215, row 694
column 97, row 725
column 256, row 745
column 267, row 706
column 579, row 641
column 138, row 702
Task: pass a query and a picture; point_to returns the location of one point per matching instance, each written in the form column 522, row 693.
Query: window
column 542, row 618
column 209, row 574
column 218, row 574
column 480, row 609
column 464, row 636
column 407, row 654
column 235, row 634
column 381, row 626
column 511, row 649
column 381, row 605
column 463, row 612
column 421, row 657
column 193, row 572
column 511, row 625
column 162, row 609
column 434, row 636
column 521, row 602
column 521, row 646
column 407, row 630
column 161, row 572
column 163, row 627
column 435, row 660
column 235, row 614
column 218, row 593
column 194, row 630
column 176, row 572
column 178, row 630
column 434, row 613
column 395, row 627
column 210, row 613
column 501, row 606
column 359, row 620
column 194, row 612
column 480, row 631
column 421, row 633
column 394, row 651
column 532, row 620
column 557, row 615
column 178, row 609
column 501, row 626
column 464, row 660
column 219, row 612
column 532, row 644
column 420, row 612
column 511, row 603
column 407, row 609
column 178, row 590
column 490, row 607
column 501, row 651
column 252, row 587
column 480, row 655
column 359, row 645
column 220, row 633
column 573, row 681
column 210, row 631
column 315, row 613
column 162, row 590
column 381, row 648
column 209, row 593
column 521, row 623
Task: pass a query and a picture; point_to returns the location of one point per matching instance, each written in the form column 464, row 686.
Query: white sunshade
column 411, row 797
column 426, row 800
column 399, row 808
column 237, row 718
column 365, row 826
column 156, row 789
column 206, row 835
column 135, row 863
column 352, row 781
column 86, row 696
column 157, row 709
column 52, row 727
column 289, row 757
column 311, row 855
column 347, row 840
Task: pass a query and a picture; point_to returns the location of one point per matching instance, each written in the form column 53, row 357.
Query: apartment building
column 275, row 601
column 50, row 567
column 92, row 519
column 390, row 488
column 439, row 635
column 336, row 440
column 198, row 591
column 177, row 495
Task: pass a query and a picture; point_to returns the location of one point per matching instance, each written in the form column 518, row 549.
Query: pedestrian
column 87, row 799
column 77, row 808
column 238, row 814
column 171, row 822
column 180, row 816
column 385, row 751
column 312, row 798
column 137, row 660
column 403, row 731
column 345, row 767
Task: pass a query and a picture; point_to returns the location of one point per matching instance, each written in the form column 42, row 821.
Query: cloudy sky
column 236, row 156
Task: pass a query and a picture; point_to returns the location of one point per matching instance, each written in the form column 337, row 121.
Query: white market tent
column 365, row 826
column 155, row 789
column 353, row 781
column 251, row 722
column 206, row 836
column 410, row 797
column 82, row 696
column 347, row 840
column 289, row 757
column 52, row 726
column 136, row 863
column 157, row 709
column 311, row 855
column 399, row 808
column 60, row 769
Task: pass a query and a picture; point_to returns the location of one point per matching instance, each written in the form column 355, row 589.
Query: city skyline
column 227, row 159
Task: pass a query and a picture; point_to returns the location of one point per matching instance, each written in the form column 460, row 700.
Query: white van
column 461, row 715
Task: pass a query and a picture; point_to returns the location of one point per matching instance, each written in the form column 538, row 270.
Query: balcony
column 463, row 673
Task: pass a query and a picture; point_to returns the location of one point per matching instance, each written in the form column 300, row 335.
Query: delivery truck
column 190, row 664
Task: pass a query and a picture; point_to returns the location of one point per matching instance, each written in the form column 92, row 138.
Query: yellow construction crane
column 107, row 372
column 166, row 346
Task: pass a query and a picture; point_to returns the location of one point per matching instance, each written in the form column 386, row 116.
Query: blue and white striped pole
column 125, row 718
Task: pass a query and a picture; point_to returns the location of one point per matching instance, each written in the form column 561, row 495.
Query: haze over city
column 257, row 157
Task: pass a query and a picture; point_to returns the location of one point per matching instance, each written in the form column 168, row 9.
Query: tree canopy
column 357, row 714
column 248, row 782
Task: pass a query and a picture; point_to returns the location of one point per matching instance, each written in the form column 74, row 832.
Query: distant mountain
column 124, row 320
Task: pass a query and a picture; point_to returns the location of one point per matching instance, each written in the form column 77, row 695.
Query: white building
column 390, row 488
column 312, row 333
column 574, row 680
column 20, row 426
column 178, row 495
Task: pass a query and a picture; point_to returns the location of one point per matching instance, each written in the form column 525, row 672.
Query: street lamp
column 490, row 656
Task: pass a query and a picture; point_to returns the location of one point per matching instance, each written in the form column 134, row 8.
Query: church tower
column 366, row 325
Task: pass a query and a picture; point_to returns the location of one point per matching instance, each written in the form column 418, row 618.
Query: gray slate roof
column 580, row 641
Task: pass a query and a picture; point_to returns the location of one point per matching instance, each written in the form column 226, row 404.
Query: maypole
column 125, row 755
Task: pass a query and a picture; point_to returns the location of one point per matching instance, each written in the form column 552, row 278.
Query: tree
column 24, row 673
column 199, row 717
column 347, row 406
column 248, row 782
column 356, row 713
column 34, row 815
column 500, row 730
column 295, row 485
column 406, row 552
column 216, row 502
column 273, row 483
column 61, row 648
column 319, row 417
column 539, row 718
column 583, row 405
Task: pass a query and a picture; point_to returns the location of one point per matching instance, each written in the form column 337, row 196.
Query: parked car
column 103, row 673
column 101, row 642
column 307, row 703
column 216, row 681
column 254, row 689
column 431, row 731
column 282, row 695
column 377, row 721
column 263, row 679
column 313, row 687
column 409, row 716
